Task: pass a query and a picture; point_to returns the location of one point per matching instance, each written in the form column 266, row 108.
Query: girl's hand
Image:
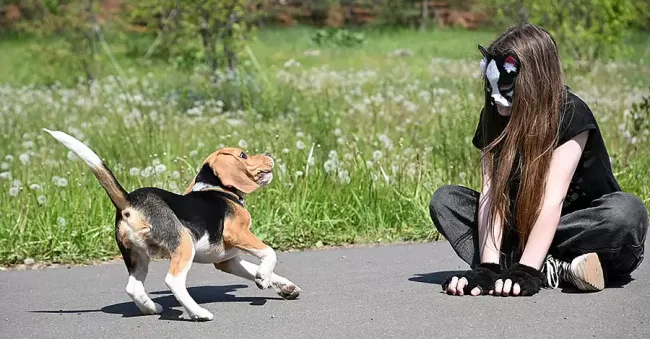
column 473, row 282
column 519, row 280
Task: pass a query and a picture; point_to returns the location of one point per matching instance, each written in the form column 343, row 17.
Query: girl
column 550, row 210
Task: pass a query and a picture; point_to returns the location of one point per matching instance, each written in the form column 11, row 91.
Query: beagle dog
column 208, row 224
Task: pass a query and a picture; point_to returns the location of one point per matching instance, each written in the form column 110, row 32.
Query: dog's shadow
column 171, row 311
column 433, row 277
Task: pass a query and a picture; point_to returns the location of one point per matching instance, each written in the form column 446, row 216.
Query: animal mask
column 500, row 72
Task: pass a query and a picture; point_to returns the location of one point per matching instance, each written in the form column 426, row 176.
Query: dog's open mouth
column 265, row 178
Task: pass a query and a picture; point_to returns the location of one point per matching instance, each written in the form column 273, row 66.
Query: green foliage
column 337, row 37
column 193, row 32
column 72, row 24
column 584, row 29
column 385, row 132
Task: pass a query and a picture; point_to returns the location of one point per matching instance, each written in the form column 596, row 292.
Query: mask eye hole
column 243, row 155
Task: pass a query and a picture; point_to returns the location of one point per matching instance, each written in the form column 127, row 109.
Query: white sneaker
column 584, row 272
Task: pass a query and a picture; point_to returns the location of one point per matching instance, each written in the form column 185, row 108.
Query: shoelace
column 556, row 270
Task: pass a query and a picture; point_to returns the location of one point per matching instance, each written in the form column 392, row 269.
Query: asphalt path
column 388, row 291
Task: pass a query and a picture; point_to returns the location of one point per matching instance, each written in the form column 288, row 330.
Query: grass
column 362, row 139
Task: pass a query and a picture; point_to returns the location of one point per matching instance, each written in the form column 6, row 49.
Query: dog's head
column 234, row 169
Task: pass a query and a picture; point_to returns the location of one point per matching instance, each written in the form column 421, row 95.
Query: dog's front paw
column 289, row 291
column 201, row 315
column 262, row 280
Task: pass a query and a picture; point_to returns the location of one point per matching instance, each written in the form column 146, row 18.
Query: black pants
column 614, row 227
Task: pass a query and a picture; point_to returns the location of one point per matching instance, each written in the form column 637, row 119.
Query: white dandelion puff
column 5, row 175
column 145, row 173
column 62, row 182
column 300, row 145
column 176, row 174
column 13, row 191
column 34, row 187
column 4, row 166
column 24, row 158
column 160, row 168
column 9, row 157
column 344, row 177
column 41, row 199
column 134, row 171
column 330, row 166
column 61, row 221
column 376, row 155
column 242, row 144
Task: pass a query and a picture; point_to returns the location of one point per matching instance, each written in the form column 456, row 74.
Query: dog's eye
column 243, row 155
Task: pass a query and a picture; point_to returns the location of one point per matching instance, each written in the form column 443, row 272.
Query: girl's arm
column 563, row 164
column 488, row 247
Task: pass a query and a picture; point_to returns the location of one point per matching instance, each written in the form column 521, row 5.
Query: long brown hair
column 522, row 147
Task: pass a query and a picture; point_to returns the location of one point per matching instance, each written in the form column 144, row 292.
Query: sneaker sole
column 588, row 273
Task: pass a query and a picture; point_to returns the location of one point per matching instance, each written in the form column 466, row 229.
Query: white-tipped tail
column 78, row 147
column 106, row 178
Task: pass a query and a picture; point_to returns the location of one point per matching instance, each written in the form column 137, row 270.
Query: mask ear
column 484, row 52
column 233, row 172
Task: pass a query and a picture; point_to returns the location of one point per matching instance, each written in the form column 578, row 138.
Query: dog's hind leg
column 138, row 266
column 247, row 270
column 135, row 286
column 181, row 262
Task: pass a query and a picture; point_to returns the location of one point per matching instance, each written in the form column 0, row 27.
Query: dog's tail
column 106, row 178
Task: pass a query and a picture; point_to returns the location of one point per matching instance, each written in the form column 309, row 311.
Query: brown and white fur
column 207, row 224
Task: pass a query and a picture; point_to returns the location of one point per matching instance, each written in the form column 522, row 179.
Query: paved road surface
column 381, row 292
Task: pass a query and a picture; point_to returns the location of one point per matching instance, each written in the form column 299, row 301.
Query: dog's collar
column 201, row 186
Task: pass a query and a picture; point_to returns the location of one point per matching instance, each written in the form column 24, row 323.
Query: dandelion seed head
column 160, row 168
column 300, row 145
column 13, row 191
column 24, row 158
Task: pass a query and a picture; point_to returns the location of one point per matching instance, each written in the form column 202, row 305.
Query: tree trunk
column 90, row 37
column 425, row 15
column 207, row 42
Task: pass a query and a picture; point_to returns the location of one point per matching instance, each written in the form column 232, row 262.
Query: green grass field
column 361, row 138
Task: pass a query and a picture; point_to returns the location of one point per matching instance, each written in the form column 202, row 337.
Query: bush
column 584, row 29
column 337, row 37
column 192, row 32
column 73, row 27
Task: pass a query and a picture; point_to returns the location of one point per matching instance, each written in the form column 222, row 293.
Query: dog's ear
column 233, row 172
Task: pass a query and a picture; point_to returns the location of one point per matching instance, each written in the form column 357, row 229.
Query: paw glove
column 529, row 279
column 482, row 276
